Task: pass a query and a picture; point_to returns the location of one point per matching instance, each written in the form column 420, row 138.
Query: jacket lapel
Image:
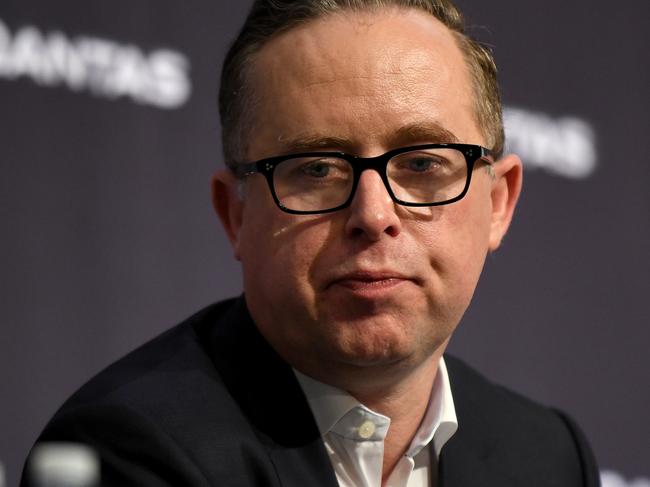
column 268, row 393
column 305, row 465
column 464, row 463
column 471, row 456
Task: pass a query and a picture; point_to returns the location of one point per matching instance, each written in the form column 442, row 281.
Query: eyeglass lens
column 320, row 183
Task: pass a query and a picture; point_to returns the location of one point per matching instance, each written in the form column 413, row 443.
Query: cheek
column 278, row 251
column 457, row 244
column 473, row 230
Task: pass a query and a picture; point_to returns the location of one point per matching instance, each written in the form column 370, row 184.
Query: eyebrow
column 310, row 142
column 410, row 134
column 429, row 132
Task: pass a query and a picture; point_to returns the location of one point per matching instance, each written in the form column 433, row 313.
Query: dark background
column 108, row 234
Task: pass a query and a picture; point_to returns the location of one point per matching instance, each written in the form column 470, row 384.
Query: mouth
column 369, row 281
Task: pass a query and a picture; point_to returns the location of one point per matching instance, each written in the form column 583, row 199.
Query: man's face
column 375, row 284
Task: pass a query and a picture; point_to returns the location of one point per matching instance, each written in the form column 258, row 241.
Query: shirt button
column 366, row 430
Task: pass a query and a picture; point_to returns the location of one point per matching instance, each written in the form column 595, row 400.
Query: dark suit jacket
column 209, row 403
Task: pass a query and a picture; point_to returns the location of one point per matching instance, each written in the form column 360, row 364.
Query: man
column 365, row 187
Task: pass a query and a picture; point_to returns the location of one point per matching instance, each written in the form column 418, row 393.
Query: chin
column 372, row 343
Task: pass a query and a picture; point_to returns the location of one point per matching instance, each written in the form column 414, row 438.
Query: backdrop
column 109, row 135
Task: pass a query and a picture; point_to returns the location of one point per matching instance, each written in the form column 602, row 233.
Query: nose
column 372, row 212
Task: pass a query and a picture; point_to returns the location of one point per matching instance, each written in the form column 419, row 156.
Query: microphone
column 54, row 464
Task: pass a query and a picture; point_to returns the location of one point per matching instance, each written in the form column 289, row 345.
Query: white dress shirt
column 354, row 434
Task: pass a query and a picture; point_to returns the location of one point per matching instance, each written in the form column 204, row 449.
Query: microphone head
column 53, row 464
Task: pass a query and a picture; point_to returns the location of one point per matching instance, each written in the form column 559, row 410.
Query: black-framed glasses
column 322, row 182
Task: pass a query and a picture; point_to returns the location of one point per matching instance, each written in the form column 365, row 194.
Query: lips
column 359, row 280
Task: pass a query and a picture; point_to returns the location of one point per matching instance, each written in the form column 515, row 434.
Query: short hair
column 268, row 18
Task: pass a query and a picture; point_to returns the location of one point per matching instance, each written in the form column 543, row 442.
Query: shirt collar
column 330, row 407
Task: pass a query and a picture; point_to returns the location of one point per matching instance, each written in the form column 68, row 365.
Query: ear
column 229, row 205
column 508, row 175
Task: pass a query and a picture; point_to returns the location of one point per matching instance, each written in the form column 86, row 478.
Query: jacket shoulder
column 527, row 442
column 178, row 355
column 162, row 415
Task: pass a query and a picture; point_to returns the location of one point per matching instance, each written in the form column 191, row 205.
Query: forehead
column 360, row 77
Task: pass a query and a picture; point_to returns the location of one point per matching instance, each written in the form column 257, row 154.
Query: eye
column 317, row 169
column 422, row 163
column 324, row 168
column 419, row 163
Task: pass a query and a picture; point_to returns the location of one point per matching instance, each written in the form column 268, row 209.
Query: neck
column 401, row 395
column 405, row 404
column 398, row 391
